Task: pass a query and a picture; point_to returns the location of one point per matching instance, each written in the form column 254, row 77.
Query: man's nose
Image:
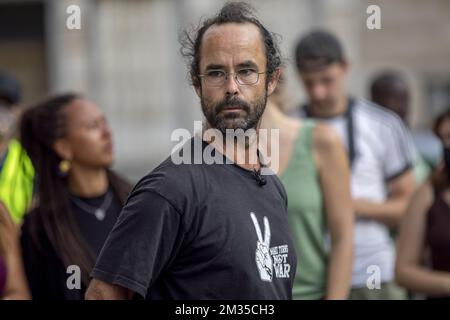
column 107, row 133
column 318, row 92
column 231, row 85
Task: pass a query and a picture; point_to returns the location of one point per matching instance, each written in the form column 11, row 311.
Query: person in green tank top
column 314, row 169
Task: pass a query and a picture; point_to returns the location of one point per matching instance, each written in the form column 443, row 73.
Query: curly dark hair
column 231, row 12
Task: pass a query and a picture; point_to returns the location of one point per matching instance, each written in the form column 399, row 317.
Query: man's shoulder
column 169, row 175
column 172, row 176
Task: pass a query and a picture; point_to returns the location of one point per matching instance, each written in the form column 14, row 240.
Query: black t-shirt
column 199, row 231
column 46, row 273
column 96, row 231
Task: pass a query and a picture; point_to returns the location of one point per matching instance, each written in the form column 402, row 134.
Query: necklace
column 98, row 212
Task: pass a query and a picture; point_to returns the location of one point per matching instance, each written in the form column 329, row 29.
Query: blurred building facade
column 126, row 57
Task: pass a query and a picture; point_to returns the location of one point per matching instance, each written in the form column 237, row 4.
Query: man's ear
column 198, row 90
column 273, row 81
column 345, row 64
column 197, row 85
column 63, row 149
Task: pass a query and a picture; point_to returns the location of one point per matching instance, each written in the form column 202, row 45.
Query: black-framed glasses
column 217, row 77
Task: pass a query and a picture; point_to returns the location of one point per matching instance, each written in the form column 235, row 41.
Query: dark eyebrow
column 214, row 67
column 247, row 64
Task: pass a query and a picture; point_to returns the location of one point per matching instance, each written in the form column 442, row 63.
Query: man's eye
column 327, row 81
column 246, row 72
column 92, row 125
column 215, row 74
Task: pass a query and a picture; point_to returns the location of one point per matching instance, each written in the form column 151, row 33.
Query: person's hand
column 262, row 253
column 264, row 261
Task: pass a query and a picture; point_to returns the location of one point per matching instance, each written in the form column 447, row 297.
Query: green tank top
column 306, row 217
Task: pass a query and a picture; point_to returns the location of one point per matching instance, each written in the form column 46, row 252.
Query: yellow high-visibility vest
column 16, row 181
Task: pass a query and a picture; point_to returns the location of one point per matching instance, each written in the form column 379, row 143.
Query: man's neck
column 242, row 154
column 331, row 111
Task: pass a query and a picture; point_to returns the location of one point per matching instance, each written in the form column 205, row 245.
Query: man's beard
column 247, row 118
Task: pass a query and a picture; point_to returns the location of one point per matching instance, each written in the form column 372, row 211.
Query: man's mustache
column 232, row 103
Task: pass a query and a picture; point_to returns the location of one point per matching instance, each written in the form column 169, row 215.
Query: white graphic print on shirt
column 269, row 259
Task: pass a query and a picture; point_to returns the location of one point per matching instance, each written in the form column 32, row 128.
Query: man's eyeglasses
column 217, row 78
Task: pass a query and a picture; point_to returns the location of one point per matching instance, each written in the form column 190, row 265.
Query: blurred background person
column 13, row 284
column 78, row 197
column 389, row 89
column 313, row 167
column 380, row 154
column 423, row 261
column 16, row 170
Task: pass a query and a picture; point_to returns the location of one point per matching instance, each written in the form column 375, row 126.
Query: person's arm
column 16, row 284
column 141, row 245
column 392, row 210
column 397, row 159
column 334, row 172
column 409, row 271
column 101, row 290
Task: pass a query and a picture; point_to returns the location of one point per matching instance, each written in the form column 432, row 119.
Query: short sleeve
column 143, row 242
column 398, row 151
